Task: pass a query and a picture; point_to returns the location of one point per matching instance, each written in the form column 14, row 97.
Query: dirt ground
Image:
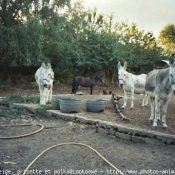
column 130, row 157
column 139, row 116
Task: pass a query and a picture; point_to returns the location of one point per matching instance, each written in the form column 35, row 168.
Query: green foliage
column 20, row 99
column 42, row 108
column 13, row 99
column 10, row 113
column 32, row 99
column 63, row 75
column 23, row 44
column 140, row 48
column 33, row 84
column 76, row 42
column 4, row 85
column 167, row 38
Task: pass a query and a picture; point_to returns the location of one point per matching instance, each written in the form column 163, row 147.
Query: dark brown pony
column 85, row 82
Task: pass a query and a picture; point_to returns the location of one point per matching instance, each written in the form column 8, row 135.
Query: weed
column 43, row 108
column 19, row 99
column 10, row 113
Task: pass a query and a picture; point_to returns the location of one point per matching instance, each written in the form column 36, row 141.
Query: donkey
column 160, row 84
column 44, row 77
column 131, row 83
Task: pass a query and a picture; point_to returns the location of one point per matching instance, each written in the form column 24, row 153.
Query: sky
column 149, row 15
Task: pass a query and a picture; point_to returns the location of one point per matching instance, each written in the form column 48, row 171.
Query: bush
column 20, row 99
column 4, row 85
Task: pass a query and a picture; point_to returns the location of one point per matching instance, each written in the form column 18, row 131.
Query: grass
column 23, row 99
column 20, row 99
column 10, row 114
column 43, row 108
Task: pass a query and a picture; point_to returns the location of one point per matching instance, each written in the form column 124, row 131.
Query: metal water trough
column 55, row 102
column 95, row 105
column 70, row 105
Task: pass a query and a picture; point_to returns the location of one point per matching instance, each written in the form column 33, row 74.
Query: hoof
column 123, row 107
column 145, row 105
column 154, row 127
column 131, row 108
column 150, row 120
column 158, row 120
column 165, row 128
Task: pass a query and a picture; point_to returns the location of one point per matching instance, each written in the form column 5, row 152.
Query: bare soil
column 136, row 158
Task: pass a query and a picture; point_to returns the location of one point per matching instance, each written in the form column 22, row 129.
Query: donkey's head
column 122, row 73
column 47, row 74
column 172, row 72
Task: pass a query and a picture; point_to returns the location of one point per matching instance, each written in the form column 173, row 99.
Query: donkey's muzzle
column 45, row 85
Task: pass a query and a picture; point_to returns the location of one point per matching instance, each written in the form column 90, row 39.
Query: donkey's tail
column 73, row 86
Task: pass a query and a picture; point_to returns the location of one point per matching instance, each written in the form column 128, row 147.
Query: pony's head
column 122, row 73
column 99, row 78
column 172, row 72
column 47, row 74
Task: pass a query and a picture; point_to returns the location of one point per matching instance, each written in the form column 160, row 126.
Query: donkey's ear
column 172, row 59
column 119, row 65
column 43, row 65
column 125, row 65
column 49, row 66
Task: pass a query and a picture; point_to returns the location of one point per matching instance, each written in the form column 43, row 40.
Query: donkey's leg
column 47, row 95
column 42, row 95
column 164, row 111
column 152, row 105
column 170, row 96
column 145, row 100
column 132, row 99
column 157, row 111
column 158, row 116
column 50, row 93
column 125, row 99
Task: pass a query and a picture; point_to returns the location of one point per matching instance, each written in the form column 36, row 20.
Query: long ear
column 125, row 65
column 43, row 65
column 119, row 65
column 172, row 59
column 49, row 66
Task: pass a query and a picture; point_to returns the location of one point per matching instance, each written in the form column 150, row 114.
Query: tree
column 136, row 46
column 167, row 38
column 23, row 35
column 76, row 42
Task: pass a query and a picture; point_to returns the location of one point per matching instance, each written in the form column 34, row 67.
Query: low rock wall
column 118, row 130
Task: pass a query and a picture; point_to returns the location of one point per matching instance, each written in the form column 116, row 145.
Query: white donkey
column 160, row 84
column 44, row 77
column 131, row 83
